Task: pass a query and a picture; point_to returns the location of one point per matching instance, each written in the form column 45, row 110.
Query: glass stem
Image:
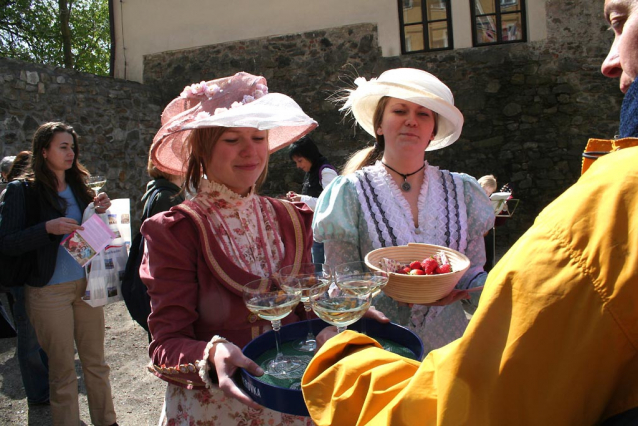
column 341, row 329
column 276, row 325
column 308, row 308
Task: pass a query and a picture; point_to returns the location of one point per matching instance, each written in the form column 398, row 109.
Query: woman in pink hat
column 219, row 135
column 389, row 195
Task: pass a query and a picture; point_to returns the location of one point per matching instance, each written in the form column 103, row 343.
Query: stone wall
column 115, row 120
column 529, row 108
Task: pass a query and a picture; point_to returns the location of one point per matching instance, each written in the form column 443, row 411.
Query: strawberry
column 406, row 270
column 444, row 269
column 417, row 272
column 429, row 265
column 415, row 265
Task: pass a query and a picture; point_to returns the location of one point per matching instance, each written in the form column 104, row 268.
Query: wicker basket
column 418, row 288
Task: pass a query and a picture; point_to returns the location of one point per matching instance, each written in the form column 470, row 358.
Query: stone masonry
column 529, row 107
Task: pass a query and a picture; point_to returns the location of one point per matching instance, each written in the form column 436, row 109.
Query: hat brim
column 364, row 100
column 279, row 114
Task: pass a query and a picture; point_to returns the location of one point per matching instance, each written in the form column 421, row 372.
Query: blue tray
column 291, row 401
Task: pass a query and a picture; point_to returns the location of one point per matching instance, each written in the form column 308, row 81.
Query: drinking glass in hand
column 308, row 276
column 337, row 307
column 96, row 183
column 267, row 299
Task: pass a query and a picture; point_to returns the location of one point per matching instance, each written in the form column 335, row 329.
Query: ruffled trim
column 203, row 365
column 216, row 194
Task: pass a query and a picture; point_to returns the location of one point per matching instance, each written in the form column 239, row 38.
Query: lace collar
column 218, row 195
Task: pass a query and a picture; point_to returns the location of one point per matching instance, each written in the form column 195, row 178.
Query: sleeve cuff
column 203, row 366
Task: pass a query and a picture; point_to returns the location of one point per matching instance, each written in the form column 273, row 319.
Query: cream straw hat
column 411, row 85
column 241, row 100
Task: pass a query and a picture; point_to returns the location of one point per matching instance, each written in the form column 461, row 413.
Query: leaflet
column 84, row 244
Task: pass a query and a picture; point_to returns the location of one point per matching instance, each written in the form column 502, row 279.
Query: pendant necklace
column 405, row 186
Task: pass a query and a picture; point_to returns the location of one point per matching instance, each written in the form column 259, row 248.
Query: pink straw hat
column 241, row 100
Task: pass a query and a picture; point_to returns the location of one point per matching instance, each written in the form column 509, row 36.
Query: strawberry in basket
column 433, row 265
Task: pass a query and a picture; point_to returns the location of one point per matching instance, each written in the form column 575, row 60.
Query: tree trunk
column 65, row 14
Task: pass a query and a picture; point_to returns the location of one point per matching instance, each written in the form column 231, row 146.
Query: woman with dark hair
column 20, row 165
column 57, row 283
column 319, row 174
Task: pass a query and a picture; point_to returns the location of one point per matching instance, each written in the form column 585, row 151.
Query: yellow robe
column 553, row 342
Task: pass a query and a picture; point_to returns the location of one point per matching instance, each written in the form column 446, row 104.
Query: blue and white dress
column 366, row 210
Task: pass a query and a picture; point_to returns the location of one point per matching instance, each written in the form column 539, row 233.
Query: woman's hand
column 325, row 335
column 101, row 203
column 227, row 358
column 292, row 196
column 375, row 314
column 62, row 226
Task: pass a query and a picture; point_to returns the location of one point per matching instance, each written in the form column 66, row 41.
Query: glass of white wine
column 268, row 300
column 96, row 183
column 306, row 277
column 357, row 278
column 339, row 308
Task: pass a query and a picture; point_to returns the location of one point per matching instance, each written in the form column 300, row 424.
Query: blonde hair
column 488, row 181
column 199, row 145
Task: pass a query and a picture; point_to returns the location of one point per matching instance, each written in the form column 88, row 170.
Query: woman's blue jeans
column 34, row 365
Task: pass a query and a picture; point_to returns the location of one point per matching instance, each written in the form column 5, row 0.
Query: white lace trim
column 203, row 365
column 439, row 214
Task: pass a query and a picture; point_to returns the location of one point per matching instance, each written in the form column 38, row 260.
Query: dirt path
column 137, row 394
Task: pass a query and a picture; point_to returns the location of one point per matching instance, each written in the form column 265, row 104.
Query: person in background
column 555, row 338
column 219, row 134
column 319, row 173
column 5, row 166
column 169, row 192
column 33, row 361
column 389, row 195
column 489, row 185
column 54, row 289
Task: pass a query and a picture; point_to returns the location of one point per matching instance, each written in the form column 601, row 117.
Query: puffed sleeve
column 169, row 270
column 336, row 221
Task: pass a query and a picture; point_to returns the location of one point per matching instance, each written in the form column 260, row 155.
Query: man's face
column 622, row 60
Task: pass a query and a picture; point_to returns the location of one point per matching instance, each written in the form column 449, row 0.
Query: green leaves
column 31, row 30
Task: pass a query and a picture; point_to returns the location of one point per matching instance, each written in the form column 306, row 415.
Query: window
column 426, row 25
column 498, row 21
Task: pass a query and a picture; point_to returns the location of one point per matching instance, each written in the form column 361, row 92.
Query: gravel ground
column 137, row 394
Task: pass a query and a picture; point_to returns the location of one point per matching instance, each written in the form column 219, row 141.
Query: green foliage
column 30, row 30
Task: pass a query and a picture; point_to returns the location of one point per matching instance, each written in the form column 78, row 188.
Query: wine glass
column 307, row 276
column 357, row 278
column 96, row 183
column 266, row 298
column 338, row 307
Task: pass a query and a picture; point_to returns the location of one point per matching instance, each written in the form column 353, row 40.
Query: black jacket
column 16, row 240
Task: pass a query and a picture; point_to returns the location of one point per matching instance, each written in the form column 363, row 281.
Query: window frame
column 425, row 24
column 497, row 15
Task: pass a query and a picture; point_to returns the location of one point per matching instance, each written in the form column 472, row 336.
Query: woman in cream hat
column 219, row 135
column 389, row 195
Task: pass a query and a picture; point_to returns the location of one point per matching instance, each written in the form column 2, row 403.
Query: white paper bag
column 104, row 280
